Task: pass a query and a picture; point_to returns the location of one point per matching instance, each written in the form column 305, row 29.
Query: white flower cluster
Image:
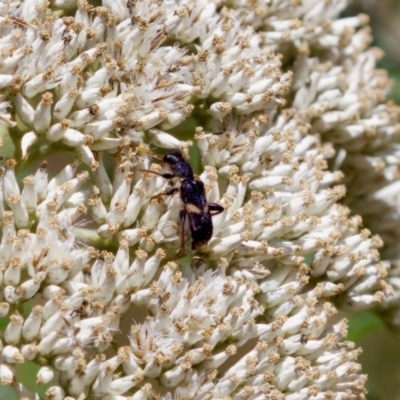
column 196, row 321
column 250, row 315
column 138, row 84
column 340, row 93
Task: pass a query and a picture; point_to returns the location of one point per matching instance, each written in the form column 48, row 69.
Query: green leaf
column 362, row 324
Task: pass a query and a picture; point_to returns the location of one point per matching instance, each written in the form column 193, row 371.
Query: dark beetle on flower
column 193, row 196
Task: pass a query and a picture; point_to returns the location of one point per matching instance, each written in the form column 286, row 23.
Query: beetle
column 193, row 195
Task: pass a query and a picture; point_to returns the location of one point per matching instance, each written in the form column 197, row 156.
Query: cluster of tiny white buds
column 343, row 98
column 93, row 257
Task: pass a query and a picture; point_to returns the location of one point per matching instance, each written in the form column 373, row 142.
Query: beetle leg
column 166, row 176
column 168, row 192
column 182, row 217
column 215, row 209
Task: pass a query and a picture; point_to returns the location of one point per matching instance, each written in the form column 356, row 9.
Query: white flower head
column 114, row 309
